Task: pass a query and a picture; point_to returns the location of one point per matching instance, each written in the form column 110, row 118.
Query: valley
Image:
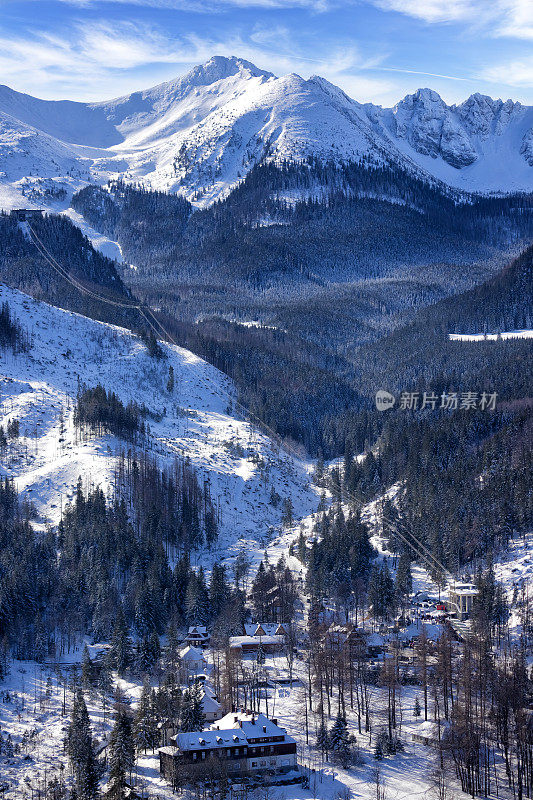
column 227, row 572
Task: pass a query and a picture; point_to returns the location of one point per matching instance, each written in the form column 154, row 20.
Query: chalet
column 211, row 707
column 193, row 661
column 430, row 733
column 247, row 743
column 197, row 636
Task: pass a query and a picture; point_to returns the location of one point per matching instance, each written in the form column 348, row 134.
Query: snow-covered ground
column 483, row 337
column 39, row 388
column 37, row 702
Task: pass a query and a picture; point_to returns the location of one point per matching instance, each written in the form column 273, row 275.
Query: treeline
column 465, row 480
column 12, row 333
column 23, row 267
column 128, row 213
column 420, row 353
column 27, row 576
column 339, row 560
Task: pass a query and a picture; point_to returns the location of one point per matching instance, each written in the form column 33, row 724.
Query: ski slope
column 39, row 389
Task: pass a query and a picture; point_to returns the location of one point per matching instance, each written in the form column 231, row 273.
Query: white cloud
column 210, row 6
column 431, row 10
column 517, row 72
column 100, row 60
column 497, row 18
column 516, row 19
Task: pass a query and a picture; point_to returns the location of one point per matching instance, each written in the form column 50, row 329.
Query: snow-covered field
column 493, row 337
column 39, row 388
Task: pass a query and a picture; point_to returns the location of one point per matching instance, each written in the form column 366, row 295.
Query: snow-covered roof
column 462, row 589
column 235, row 729
column 209, row 704
column 190, row 653
column 201, row 630
column 255, row 726
column 264, row 629
column 210, row 739
column 240, row 641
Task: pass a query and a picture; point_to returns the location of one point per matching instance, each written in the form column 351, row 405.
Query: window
column 254, row 763
column 236, row 751
column 228, row 753
column 203, row 756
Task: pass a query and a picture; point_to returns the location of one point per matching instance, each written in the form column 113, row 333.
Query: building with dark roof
column 248, row 744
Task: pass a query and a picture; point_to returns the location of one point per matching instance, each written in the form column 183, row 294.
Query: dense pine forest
column 114, row 560
column 24, row 268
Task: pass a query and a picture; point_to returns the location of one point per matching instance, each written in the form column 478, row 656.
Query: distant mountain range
column 201, row 134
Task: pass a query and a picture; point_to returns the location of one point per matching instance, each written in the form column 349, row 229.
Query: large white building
column 249, row 744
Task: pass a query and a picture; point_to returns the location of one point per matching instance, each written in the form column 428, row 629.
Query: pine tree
column 417, row 710
column 218, row 590
column 287, row 515
column 322, row 738
column 381, row 591
column 121, row 753
column 403, row 583
column 120, row 652
column 172, row 651
column 87, row 669
column 79, row 747
column 192, row 713
column 144, row 723
column 339, row 739
column 170, row 381
column 144, row 657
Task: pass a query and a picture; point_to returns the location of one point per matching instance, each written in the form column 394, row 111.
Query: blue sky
column 375, row 50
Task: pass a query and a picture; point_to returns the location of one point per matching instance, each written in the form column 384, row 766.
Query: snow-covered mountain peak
column 219, row 67
column 484, row 116
column 430, row 127
column 201, row 133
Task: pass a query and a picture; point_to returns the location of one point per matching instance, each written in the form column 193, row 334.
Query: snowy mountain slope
column 200, row 134
column 39, row 388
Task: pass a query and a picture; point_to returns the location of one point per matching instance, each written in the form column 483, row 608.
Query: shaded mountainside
column 307, row 375
column 336, row 255
column 23, row 267
column 304, row 227
column 421, row 351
